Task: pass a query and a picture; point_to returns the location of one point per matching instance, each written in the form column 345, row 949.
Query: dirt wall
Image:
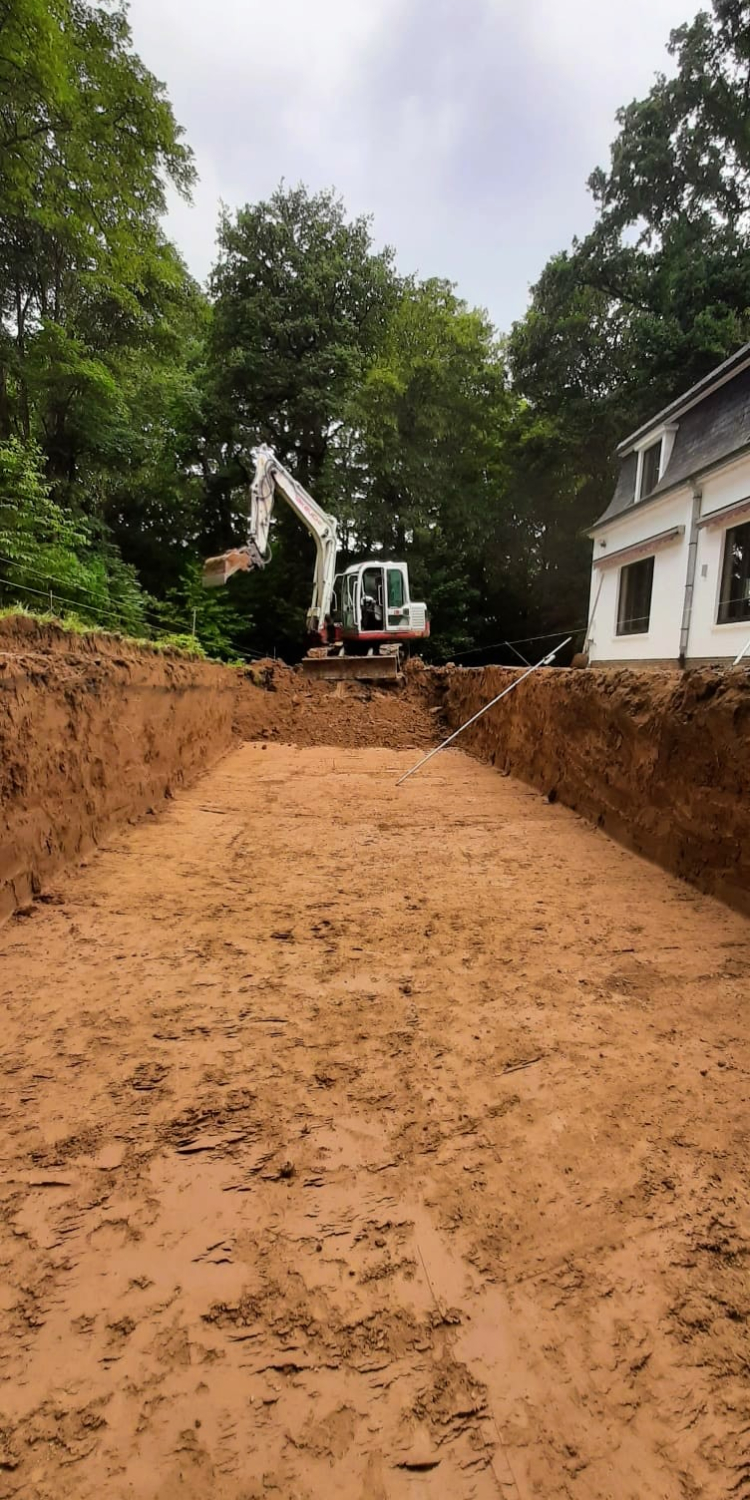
column 93, row 731
column 659, row 759
column 275, row 702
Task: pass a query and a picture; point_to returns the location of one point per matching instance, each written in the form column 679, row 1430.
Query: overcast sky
column 467, row 128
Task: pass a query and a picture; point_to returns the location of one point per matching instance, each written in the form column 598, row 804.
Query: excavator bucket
column 352, row 668
column 216, row 570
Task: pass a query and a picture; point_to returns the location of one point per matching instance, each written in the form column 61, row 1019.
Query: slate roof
column 715, row 425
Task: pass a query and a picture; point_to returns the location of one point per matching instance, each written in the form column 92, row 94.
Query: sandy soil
column 376, row 1144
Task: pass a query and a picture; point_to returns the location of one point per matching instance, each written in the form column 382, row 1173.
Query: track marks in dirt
column 348, row 1151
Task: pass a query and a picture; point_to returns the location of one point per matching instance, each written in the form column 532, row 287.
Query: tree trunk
column 23, row 394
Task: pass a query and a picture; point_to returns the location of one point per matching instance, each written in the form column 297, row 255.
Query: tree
column 683, row 152
column 658, row 293
column 87, row 140
column 48, row 556
column 150, row 478
column 665, row 273
column 301, row 303
column 90, row 291
column 419, row 458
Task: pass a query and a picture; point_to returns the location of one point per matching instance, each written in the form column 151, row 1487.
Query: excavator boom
column 271, row 477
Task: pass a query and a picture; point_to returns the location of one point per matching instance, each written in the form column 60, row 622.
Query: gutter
column 692, row 559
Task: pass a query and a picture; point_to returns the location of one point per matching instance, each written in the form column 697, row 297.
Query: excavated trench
column 95, row 732
column 361, row 1140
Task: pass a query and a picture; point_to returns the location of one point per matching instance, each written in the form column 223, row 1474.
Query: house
column 670, row 578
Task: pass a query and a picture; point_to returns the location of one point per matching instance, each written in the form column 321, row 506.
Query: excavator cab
column 373, row 609
column 372, row 623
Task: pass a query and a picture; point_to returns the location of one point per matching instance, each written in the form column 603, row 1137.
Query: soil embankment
column 95, row 731
column 275, row 702
column 659, row 760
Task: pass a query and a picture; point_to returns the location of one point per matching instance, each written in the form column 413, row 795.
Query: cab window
column 395, row 588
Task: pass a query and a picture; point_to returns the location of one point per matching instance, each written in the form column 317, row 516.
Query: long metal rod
column 545, row 661
column 742, row 654
column 592, row 616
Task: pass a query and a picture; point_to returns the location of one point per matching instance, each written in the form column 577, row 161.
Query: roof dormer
column 654, row 451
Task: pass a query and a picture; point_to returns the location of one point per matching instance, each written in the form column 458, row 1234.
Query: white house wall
column 707, row 639
column 662, row 640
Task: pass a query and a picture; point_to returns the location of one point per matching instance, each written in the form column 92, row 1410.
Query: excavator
column 361, row 621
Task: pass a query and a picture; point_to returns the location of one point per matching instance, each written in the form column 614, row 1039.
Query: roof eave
column 697, row 393
column 669, row 489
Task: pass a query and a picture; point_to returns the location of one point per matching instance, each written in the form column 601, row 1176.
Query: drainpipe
column 692, row 559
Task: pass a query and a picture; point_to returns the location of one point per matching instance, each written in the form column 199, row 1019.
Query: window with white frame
column 650, row 469
column 734, row 595
column 634, row 598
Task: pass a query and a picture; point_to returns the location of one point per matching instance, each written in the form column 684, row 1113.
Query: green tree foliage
column 94, row 303
column 657, row 293
column 206, row 616
column 420, row 455
column 49, row 557
column 660, row 290
column 301, row 303
column 88, row 139
column 151, row 480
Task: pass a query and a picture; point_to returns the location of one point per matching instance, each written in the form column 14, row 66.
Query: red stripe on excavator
column 387, row 635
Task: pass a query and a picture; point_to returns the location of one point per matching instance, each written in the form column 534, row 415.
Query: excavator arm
column 270, row 478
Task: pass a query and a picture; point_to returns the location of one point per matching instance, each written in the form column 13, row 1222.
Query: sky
column 466, row 128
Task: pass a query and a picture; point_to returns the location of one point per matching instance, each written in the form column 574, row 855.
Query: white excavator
column 360, row 622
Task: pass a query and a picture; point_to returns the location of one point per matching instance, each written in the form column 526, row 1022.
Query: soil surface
column 375, row 1143
column 96, row 731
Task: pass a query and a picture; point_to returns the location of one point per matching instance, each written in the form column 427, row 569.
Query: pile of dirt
column 658, row 759
column 276, row 702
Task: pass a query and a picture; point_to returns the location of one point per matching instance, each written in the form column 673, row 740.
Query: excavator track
column 353, row 668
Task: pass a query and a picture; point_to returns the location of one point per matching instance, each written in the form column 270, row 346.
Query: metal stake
column 543, row 663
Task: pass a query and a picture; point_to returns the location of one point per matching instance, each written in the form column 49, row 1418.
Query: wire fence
column 524, row 640
column 117, row 620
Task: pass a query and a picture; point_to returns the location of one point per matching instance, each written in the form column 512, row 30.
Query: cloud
column 467, row 127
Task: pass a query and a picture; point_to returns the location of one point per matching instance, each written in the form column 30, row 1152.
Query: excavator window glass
column 395, row 588
column 349, row 609
column 372, row 599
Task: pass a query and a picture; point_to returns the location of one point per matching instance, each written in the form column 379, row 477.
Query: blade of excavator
column 352, row 668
